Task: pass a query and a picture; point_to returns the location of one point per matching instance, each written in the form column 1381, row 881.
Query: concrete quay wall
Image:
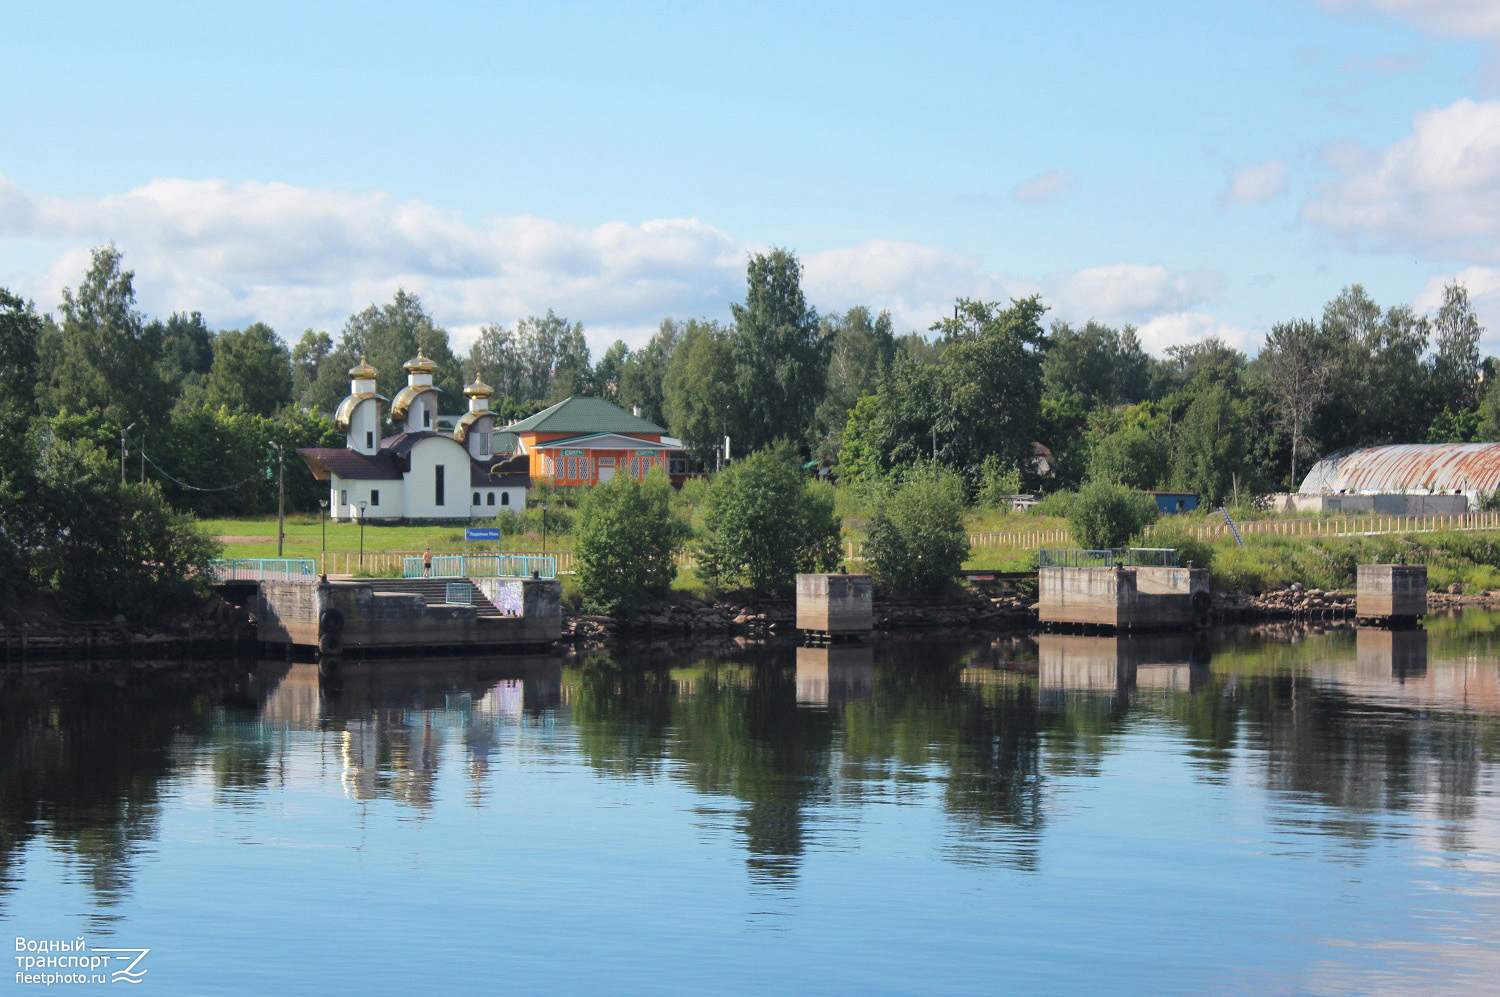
column 1387, row 591
column 1123, row 598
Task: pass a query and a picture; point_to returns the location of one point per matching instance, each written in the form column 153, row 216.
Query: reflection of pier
column 1115, row 665
column 1393, row 667
column 836, row 674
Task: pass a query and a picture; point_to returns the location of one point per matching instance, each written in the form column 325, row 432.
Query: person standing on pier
column 427, row 563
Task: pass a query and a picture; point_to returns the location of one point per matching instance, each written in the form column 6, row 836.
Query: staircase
column 1239, row 541
column 434, row 592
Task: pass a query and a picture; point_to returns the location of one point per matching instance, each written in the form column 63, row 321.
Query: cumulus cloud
column 300, row 257
column 1048, row 186
column 1435, row 192
column 1130, row 292
column 1257, row 182
column 1189, row 327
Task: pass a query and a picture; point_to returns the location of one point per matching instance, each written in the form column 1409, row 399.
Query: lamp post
column 323, row 526
column 361, row 534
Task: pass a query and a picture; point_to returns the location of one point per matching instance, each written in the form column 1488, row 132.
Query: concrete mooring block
column 1133, row 598
column 1391, row 592
column 835, row 604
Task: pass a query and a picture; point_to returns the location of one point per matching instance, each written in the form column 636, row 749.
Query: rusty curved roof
column 1409, row 467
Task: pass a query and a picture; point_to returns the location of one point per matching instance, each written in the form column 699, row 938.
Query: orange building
column 583, row 441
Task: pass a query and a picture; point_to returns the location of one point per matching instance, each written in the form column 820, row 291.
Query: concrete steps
column 434, row 592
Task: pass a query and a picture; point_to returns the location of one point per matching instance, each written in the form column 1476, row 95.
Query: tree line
column 993, row 393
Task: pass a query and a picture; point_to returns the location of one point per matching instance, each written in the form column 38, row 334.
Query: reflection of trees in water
column 83, row 770
column 622, row 709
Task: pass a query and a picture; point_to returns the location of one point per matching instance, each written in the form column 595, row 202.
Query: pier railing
column 482, row 566
column 259, row 569
column 1130, row 557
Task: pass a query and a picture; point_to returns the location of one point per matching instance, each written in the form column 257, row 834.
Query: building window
column 583, row 469
column 489, row 498
column 437, row 482
column 343, row 496
column 572, row 468
column 476, row 498
column 374, row 496
column 505, row 498
column 484, row 444
column 679, row 465
column 426, row 418
column 369, row 441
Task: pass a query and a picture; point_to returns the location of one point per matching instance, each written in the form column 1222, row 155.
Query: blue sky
column 1194, row 169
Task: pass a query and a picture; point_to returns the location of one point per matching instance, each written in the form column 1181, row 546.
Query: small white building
column 419, row 472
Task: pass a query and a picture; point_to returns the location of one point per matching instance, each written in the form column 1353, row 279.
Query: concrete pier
column 1391, row 593
column 1120, row 598
column 406, row 616
column 835, row 606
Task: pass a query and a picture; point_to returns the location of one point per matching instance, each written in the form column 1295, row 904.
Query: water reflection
column 977, row 754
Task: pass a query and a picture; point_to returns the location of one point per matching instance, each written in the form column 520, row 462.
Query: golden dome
column 363, row 370
column 420, row 365
column 479, row 389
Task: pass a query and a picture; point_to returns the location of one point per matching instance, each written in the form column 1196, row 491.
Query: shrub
column 1057, row 505
column 1188, row 547
column 917, row 539
column 998, row 481
column 1106, row 515
column 626, row 542
column 765, row 522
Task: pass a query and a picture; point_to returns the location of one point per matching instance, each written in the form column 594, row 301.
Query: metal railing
column 1130, row 557
column 257, row 569
column 458, row 594
column 482, row 566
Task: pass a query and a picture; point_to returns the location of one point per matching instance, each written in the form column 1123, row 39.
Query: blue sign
column 472, row 533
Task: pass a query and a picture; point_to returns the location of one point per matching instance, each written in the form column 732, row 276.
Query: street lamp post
column 323, row 526
column 122, row 450
column 361, row 534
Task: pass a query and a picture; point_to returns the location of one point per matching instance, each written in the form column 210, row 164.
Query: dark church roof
column 351, row 464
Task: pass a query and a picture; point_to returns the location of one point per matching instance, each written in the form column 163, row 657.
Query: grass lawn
column 304, row 538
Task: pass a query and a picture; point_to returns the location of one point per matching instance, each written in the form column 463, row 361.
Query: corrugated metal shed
column 1409, row 468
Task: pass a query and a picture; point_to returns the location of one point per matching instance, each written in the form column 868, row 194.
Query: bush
column 1107, row 515
column 999, row 480
column 1057, row 505
column 765, row 522
column 626, row 543
column 917, row 539
column 1188, row 547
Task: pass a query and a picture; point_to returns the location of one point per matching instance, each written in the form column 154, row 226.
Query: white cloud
column 298, row 257
column 1257, row 182
column 1434, row 193
column 1189, row 327
column 1130, row 292
column 1048, row 186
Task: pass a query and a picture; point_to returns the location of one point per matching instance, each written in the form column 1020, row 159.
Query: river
column 1307, row 813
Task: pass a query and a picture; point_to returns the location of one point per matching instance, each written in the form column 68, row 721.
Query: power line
column 183, row 484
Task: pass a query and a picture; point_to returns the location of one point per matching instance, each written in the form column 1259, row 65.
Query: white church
column 420, row 472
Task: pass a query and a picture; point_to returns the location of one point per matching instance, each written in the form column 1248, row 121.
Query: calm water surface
column 1060, row 814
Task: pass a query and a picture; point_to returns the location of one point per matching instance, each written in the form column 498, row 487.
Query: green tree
column 309, row 355
column 1455, row 367
column 1298, row 364
column 644, row 371
column 1106, row 515
column 251, row 371
column 187, row 350
column 108, row 548
column 1211, row 448
column 765, row 522
column 106, row 356
column 1130, row 447
column 626, row 542
column 388, row 336
column 862, row 348
column 917, row 542
column 1102, row 366
column 605, row 379
column 778, row 352
column 695, row 391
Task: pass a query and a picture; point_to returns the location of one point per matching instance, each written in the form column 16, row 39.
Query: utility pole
column 280, row 498
column 122, row 450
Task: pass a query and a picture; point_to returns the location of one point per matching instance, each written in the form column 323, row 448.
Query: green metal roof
column 582, row 414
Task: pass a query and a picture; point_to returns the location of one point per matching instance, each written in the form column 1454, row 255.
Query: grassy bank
column 1469, row 559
